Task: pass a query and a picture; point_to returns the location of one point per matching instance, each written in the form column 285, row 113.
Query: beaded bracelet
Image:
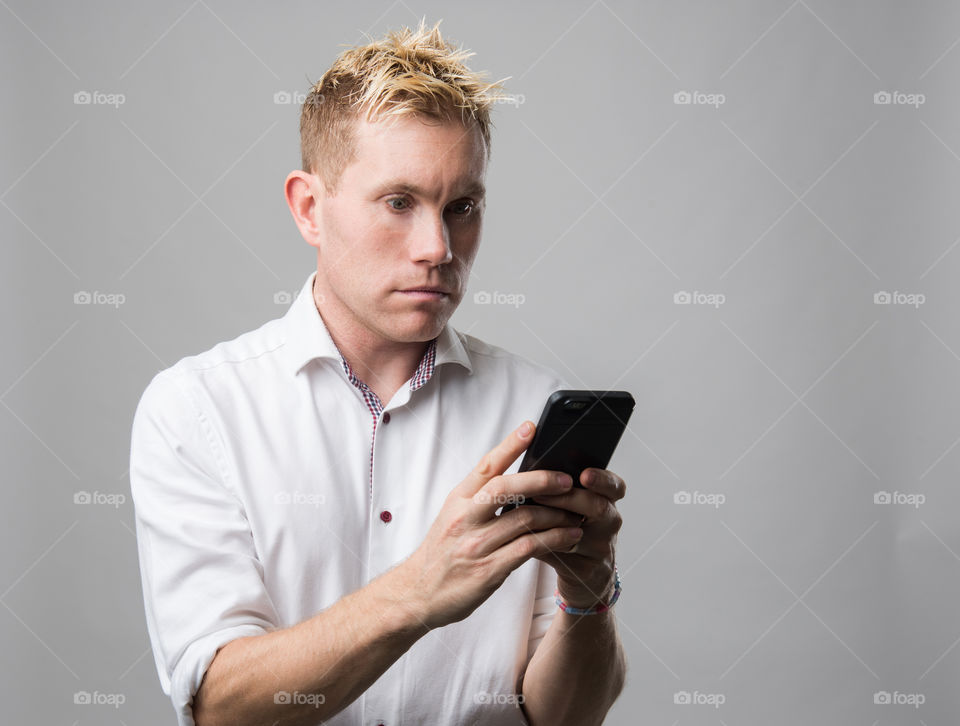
column 594, row 610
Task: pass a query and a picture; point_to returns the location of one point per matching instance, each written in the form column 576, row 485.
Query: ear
column 301, row 190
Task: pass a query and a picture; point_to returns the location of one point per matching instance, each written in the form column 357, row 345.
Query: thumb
column 498, row 459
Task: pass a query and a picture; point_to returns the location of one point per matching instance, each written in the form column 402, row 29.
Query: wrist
column 585, row 600
column 401, row 605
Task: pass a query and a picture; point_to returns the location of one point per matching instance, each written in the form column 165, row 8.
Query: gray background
column 798, row 399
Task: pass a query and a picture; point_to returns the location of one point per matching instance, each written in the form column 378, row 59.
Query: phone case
column 578, row 429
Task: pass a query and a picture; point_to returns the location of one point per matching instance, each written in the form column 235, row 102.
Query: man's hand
column 469, row 551
column 585, row 572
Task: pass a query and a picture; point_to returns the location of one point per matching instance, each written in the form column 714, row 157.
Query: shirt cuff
column 187, row 676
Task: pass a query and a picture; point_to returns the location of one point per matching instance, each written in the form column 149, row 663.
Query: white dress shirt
column 268, row 484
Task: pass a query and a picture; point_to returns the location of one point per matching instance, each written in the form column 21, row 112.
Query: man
column 316, row 500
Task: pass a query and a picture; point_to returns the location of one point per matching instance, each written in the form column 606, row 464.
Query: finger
column 517, row 488
column 539, row 544
column 596, row 508
column 581, row 554
column 604, row 482
column 498, row 459
column 524, row 520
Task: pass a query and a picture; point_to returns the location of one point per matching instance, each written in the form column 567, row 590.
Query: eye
column 463, row 208
column 398, row 204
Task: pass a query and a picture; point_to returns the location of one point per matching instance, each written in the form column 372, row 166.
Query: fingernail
column 564, row 479
column 525, row 430
column 575, row 532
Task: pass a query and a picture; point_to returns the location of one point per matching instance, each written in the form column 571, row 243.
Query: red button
column 385, row 516
column 386, row 417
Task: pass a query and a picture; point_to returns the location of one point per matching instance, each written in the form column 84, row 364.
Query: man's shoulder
column 497, row 361
column 248, row 352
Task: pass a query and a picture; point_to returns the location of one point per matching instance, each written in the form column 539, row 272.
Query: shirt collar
column 307, row 337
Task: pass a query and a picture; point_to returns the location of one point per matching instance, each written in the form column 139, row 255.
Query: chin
column 419, row 328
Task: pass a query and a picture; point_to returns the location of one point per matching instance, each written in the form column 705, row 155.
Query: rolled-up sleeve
column 202, row 581
column 544, row 608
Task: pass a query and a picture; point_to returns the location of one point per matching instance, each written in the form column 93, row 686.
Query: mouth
column 426, row 293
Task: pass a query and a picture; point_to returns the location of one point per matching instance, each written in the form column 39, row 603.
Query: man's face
column 407, row 214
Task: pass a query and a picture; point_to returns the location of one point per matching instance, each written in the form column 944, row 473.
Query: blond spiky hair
column 406, row 72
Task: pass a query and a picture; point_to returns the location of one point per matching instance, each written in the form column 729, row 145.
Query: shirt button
column 385, row 516
column 386, row 417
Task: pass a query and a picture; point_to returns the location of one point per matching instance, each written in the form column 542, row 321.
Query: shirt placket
column 375, row 406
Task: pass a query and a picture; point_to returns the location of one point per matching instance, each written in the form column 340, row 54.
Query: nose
column 431, row 239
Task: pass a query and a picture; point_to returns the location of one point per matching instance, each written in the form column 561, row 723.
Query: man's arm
column 577, row 671
column 333, row 657
column 579, row 668
column 310, row 671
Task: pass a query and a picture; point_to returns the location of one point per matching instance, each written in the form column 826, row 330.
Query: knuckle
column 456, row 524
column 486, row 468
column 526, row 517
column 617, row 522
column 525, row 547
column 472, row 547
column 482, row 568
column 541, row 482
column 599, row 509
column 490, row 491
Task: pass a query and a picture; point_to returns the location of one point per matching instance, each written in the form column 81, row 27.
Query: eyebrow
column 401, row 185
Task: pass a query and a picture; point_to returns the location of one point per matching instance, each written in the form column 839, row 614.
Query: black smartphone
column 577, row 430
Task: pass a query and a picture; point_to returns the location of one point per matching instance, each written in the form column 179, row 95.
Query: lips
column 427, row 289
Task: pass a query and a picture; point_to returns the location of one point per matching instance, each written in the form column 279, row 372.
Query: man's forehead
column 401, row 153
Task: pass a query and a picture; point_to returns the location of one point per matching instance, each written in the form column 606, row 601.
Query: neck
column 384, row 365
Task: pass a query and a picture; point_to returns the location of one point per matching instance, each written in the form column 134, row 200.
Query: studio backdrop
column 744, row 213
